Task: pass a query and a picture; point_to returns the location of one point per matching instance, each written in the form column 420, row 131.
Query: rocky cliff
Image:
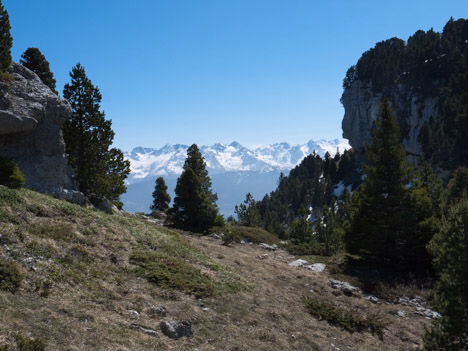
column 426, row 80
column 31, row 117
column 361, row 104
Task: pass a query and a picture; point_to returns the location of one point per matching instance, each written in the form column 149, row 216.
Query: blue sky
column 206, row 71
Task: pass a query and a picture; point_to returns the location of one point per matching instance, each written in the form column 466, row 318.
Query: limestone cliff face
column 31, row 117
column 361, row 106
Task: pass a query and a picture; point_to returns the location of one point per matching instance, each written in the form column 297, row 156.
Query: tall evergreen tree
column 6, row 40
column 195, row 204
column 247, row 212
column 161, row 198
column 100, row 169
column 391, row 221
column 33, row 59
column 450, row 293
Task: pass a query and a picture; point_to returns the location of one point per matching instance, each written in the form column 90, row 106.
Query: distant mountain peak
column 167, row 161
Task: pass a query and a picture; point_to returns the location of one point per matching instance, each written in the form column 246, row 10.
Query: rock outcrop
column 361, row 106
column 31, row 117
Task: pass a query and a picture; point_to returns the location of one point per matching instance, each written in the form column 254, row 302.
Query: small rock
column 176, row 330
column 371, row 298
column 145, row 330
column 133, row 313
column 157, row 311
column 316, row 267
column 299, row 263
column 261, row 257
column 206, row 309
column 345, row 287
column 401, row 314
column 265, row 246
column 216, row 236
column 428, row 313
column 416, row 301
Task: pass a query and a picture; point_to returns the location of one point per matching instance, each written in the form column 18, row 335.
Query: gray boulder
column 265, row 246
column 176, row 330
column 345, row 287
column 157, row 311
column 31, row 118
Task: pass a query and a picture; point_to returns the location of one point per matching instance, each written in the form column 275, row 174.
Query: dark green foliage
column 10, row 174
column 231, row 235
column 450, row 293
column 329, row 233
column 429, row 65
column 99, row 169
column 161, row 198
column 390, row 219
column 33, row 59
column 25, row 343
column 457, row 188
column 194, row 206
column 171, row 272
column 341, row 318
column 247, row 212
column 6, row 41
column 10, row 276
column 309, row 185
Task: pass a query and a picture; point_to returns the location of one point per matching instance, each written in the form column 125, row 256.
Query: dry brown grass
column 78, row 296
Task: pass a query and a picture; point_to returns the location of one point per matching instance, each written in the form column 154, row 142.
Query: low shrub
column 25, row 343
column 10, row 276
column 253, row 234
column 10, row 174
column 171, row 272
column 341, row 318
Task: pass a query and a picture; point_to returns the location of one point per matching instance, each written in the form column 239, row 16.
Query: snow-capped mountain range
column 220, row 158
column 234, row 169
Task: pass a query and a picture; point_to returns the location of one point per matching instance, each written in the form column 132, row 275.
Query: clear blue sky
column 206, row 71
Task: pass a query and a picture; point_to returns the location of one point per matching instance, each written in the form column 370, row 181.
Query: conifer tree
column 247, row 212
column 99, row 169
column 391, row 221
column 33, row 59
column 450, row 293
column 161, row 198
column 6, row 41
column 195, row 204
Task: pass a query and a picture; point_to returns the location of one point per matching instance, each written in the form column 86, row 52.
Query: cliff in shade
column 412, row 110
column 31, row 118
column 426, row 81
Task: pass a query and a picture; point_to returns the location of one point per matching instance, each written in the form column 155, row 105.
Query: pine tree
column 391, row 221
column 6, row 41
column 99, row 169
column 195, row 204
column 33, row 59
column 450, row 293
column 247, row 212
column 161, row 198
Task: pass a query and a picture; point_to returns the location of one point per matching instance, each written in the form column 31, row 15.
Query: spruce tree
column 99, row 169
column 450, row 293
column 247, row 212
column 391, row 221
column 6, row 41
column 33, row 59
column 194, row 206
column 161, row 198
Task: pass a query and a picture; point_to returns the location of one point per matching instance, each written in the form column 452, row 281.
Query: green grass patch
column 10, row 275
column 341, row 318
column 252, row 234
column 25, row 343
column 172, row 272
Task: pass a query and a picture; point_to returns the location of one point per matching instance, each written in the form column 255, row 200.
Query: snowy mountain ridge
column 220, row 158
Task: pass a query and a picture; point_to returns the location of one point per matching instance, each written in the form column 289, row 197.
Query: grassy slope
column 85, row 270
